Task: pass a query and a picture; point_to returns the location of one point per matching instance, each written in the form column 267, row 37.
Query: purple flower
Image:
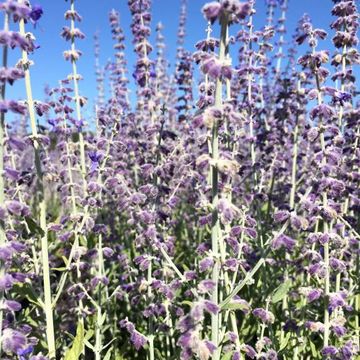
column 211, row 307
column 215, row 68
column 344, row 8
column 337, row 300
column 39, row 357
column 322, row 111
column 249, row 351
column 314, row 294
column 211, row 11
column 108, row 252
column 283, row 241
column 11, row 305
column 337, row 265
column 138, row 340
column 10, row 75
column 318, row 269
column 348, row 350
column 36, row 13
column 206, row 264
column 13, row 341
column 271, row 355
column 281, row 215
column 311, row 294
column 206, row 286
column 72, row 14
column 264, row 315
column 337, row 326
column 95, row 158
column 329, row 351
column 22, row 353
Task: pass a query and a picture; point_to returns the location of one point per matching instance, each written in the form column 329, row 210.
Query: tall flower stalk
column 73, row 55
column 48, row 308
column 2, row 155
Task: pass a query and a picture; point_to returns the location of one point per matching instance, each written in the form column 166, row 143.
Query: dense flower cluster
column 216, row 217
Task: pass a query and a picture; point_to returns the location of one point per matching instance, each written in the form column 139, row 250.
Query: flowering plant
column 214, row 215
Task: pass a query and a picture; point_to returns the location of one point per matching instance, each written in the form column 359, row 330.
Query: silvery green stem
column 294, row 161
column 342, row 87
column 281, row 40
column 81, row 138
column 151, row 324
column 249, row 95
column 48, row 309
column 208, row 35
column 291, row 205
column 340, row 124
column 325, row 230
column 227, row 281
column 100, row 268
column 99, row 320
column 215, row 225
column 74, row 211
column 2, row 136
column 2, row 179
column 77, row 100
column 263, row 324
column 357, row 304
column 69, row 167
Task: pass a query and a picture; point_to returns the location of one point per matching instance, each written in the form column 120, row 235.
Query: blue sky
column 50, row 65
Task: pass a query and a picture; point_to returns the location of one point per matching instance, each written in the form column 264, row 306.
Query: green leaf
column 89, row 334
column 285, row 341
column 59, row 269
column 158, row 354
column 108, row 354
column 186, row 302
column 103, row 318
column 313, row 349
column 235, row 305
column 83, row 241
column 281, row 291
column 66, row 261
column 227, row 356
column 78, row 344
column 186, row 268
column 265, row 207
column 87, row 344
column 33, row 226
column 27, row 292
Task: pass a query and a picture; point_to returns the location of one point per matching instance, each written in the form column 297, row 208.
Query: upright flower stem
column 342, row 87
column 100, row 268
column 48, row 309
column 291, row 204
column 281, row 40
column 215, row 225
column 325, row 230
column 76, row 78
column 74, row 211
column 77, row 98
column 151, row 325
column 99, row 321
column 2, row 135
column 249, row 96
column 2, row 179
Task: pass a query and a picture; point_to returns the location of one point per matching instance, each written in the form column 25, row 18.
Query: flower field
column 206, row 209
